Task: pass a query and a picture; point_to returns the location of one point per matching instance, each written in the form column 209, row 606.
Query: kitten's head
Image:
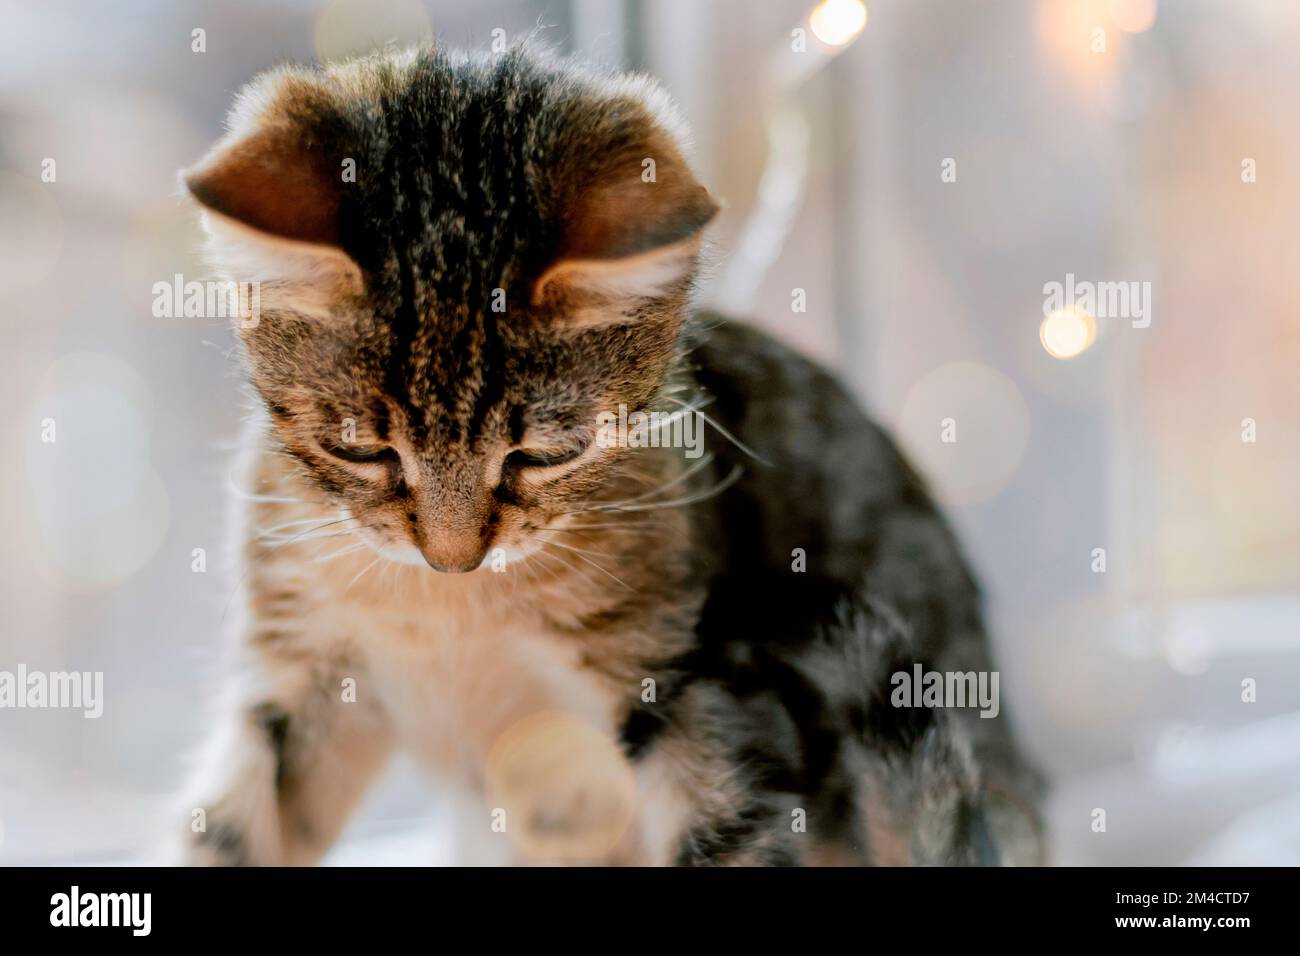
column 462, row 262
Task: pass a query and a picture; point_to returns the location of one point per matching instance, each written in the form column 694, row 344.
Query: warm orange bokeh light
column 1133, row 16
column 837, row 22
column 1067, row 332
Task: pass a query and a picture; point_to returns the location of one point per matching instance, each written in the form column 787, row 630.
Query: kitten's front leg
column 291, row 755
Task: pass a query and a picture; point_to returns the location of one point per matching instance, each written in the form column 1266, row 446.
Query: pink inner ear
column 625, row 237
column 272, row 182
column 609, row 209
column 628, row 217
column 632, row 217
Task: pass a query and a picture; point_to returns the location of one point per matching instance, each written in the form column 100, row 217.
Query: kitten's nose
column 454, row 567
column 452, row 522
column 455, row 556
column 455, row 550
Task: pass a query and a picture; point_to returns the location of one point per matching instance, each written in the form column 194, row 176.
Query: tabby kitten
column 625, row 654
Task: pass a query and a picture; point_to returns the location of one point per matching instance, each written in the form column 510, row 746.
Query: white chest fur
column 480, row 691
column 456, row 662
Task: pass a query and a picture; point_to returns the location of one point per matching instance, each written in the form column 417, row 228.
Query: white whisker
column 549, row 570
column 683, row 476
column 725, row 434
column 310, row 534
column 340, row 552
column 359, row 574
column 294, row 524
column 598, row 527
column 595, row 554
column 704, row 495
column 583, row 557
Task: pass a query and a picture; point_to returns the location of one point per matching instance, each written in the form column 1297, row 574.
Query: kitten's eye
column 362, row 453
column 528, row 458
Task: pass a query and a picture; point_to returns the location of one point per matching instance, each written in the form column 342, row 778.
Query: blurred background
column 913, row 182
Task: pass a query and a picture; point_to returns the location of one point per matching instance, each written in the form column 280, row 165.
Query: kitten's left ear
column 271, row 188
column 270, row 184
column 631, row 225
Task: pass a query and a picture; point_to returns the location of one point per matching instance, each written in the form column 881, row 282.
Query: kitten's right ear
column 271, row 189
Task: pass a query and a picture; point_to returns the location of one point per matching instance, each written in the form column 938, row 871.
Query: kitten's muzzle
column 452, row 523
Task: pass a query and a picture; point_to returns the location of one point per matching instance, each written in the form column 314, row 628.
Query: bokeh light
column 1067, row 332
column 1133, row 16
column 1068, row 31
column 837, row 22
column 567, row 790
column 99, row 508
column 1188, row 651
column 989, row 430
